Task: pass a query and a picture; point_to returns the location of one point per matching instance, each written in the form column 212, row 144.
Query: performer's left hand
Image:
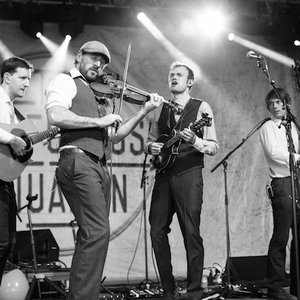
column 154, row 102
column 188, row 135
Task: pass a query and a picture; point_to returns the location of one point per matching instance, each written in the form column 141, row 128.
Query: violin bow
column 124, row 78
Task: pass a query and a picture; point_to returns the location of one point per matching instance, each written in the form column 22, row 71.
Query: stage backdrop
column 235, row 89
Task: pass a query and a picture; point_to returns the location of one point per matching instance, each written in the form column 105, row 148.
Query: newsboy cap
column 97, row 48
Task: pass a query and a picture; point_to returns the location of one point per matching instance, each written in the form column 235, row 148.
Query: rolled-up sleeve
column 60, row 91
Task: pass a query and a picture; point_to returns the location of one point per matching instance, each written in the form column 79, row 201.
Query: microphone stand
column 286, row 122
column 37, row 275
column 143, row 186
column 224, row 163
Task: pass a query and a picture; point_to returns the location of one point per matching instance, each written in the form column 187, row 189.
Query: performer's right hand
column 155, row 148
column 18, row 145
column 109, row 120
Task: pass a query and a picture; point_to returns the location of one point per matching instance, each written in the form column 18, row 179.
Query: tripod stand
column 37, row 276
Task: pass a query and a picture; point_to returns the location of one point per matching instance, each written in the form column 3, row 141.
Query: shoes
column 176, row 295
column 280, row 295
column 172, row 295
column 195, row 295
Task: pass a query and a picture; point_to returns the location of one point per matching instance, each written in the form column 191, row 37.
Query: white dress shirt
column 62, row 89
column 7, row 115
column 274, row 142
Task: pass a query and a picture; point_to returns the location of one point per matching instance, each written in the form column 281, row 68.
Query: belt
column 95, row 158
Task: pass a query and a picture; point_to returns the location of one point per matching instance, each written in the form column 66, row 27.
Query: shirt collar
column 76, row 74
column 276, row 121
column 4, row 96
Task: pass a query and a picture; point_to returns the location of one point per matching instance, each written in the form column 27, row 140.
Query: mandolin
column 165, row 159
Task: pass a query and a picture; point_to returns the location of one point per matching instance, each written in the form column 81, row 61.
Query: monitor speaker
column 46, row 247
column 247, row 268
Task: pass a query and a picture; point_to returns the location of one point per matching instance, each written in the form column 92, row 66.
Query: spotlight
column 231, row 36
column 68, row 37
column 38, row 35
column 297, row 43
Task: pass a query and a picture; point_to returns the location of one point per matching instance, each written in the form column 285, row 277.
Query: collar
column 276, row 121
column 4, row 96
column 75, row 73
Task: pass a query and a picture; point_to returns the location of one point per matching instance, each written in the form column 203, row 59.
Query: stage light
column 60, row 60
column 172, row 49
column 283, row 59
column 231, row 36
column 38, row 35
column 297, row 43
column 142, row 17
column 5, row 53
column 50, row 45
column 212, row 21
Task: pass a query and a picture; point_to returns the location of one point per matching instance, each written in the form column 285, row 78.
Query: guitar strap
column 19, row 115
column 181, row 117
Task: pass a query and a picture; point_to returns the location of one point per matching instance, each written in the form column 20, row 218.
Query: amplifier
column 46, row 247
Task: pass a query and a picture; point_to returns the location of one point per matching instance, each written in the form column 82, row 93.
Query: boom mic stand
column 37, row 276
column 224, row 163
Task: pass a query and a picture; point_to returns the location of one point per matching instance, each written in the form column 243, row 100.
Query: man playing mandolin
column 15, row 78
column 178, row 184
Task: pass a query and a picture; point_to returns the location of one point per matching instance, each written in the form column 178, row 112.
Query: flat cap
column 96, row 47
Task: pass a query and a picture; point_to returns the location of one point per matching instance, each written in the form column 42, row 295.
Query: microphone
column 252, row 54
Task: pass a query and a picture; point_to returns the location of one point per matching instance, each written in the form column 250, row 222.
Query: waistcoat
column 88, row 139
column 188, row 156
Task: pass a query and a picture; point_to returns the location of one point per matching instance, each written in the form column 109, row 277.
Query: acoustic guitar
column 12, row 165
column 165, row 159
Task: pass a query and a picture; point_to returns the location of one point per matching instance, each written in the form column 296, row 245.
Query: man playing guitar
column 15, row 78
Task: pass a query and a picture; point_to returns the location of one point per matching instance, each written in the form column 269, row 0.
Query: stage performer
column 274, row 142
column 15, row 79
column 87, row 126
column 178, row 184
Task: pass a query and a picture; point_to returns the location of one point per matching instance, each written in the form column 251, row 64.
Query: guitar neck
column 44, row 135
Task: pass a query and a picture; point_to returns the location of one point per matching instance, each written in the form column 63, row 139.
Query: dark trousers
column 8, row 211
column 86, row 187
column 180, row 194
column 282, row 223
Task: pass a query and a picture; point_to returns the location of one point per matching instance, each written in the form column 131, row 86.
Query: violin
column 108, row 88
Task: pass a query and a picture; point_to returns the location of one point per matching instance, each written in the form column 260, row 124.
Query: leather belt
column 95, row 158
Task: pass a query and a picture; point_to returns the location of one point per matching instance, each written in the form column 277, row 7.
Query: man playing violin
column 82, row 173
column 178, row 184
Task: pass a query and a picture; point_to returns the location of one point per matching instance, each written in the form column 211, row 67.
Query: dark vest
column 87, row 139
column 188, row 156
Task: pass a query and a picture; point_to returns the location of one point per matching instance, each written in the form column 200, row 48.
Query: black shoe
column 172, row 295
column 280, row 295
column 195, row 295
